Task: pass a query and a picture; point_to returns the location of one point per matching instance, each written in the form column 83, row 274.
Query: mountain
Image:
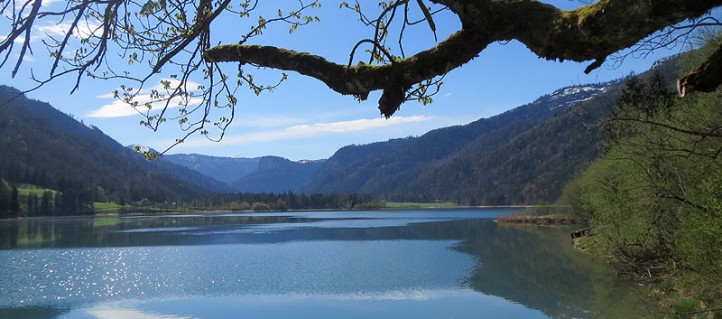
column 454, row 163
column 224, row 169
column 528, row 167
column 522, row 156
column 276, row 175
column 267, row 174
column 46, row 147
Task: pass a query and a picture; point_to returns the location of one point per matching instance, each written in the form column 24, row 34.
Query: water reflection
column 31, row 312
column 218, row 229
column 121, row 313
column 430, row 304
column 350, row 258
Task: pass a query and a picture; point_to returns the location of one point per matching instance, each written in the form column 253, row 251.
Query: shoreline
column 548, row 219
column 220, row 211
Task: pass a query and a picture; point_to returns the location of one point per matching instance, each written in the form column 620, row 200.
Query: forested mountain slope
column 43, row 146
column 266, row 174
column 276, row 175
column 528, row 167
column 220, row 168
column 419, row 168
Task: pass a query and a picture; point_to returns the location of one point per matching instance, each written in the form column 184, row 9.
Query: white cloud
column 118, row 108
column 54, row 30
column 49, row 2
column 28, row 57
column 311, row 130
column 59, row 30
column 19, row 39
column 266, row 122
column 46, row 3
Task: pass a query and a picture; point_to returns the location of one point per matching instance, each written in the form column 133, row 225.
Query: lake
column 381, row 264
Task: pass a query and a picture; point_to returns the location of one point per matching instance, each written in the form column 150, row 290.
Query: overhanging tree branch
column 171, row 35
column 361, row 79
column 591, row 32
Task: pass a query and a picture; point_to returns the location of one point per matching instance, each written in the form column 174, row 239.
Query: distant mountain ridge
column 277, row 175
column 267, row 174
column 224, row 169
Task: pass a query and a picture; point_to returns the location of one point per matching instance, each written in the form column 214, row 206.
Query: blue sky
column 303, row 119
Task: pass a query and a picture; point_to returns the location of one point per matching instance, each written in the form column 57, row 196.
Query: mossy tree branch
column 589, row 33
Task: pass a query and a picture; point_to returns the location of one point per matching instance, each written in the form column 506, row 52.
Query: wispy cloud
column 19, row 39
column 311, row 130
column 46, row 3
column 58, row 31
column 266, row 122
column 118, row 108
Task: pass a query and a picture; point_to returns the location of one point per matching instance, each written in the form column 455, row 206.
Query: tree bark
column 705, row 78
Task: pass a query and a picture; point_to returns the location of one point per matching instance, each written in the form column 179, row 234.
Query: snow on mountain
column 573, row 95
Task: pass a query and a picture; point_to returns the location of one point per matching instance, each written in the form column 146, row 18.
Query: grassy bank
column 26, row 190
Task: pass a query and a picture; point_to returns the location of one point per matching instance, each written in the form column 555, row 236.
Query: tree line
column 9, row 200
column 289, row 201
column 75, row 199
column 72, row 199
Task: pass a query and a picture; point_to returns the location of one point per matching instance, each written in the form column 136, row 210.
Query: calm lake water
column 389, row 264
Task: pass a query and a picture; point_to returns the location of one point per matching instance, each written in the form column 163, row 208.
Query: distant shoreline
column 210, row 212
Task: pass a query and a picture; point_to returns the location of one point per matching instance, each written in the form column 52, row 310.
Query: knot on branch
column 595, row 65
column 391, row 100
